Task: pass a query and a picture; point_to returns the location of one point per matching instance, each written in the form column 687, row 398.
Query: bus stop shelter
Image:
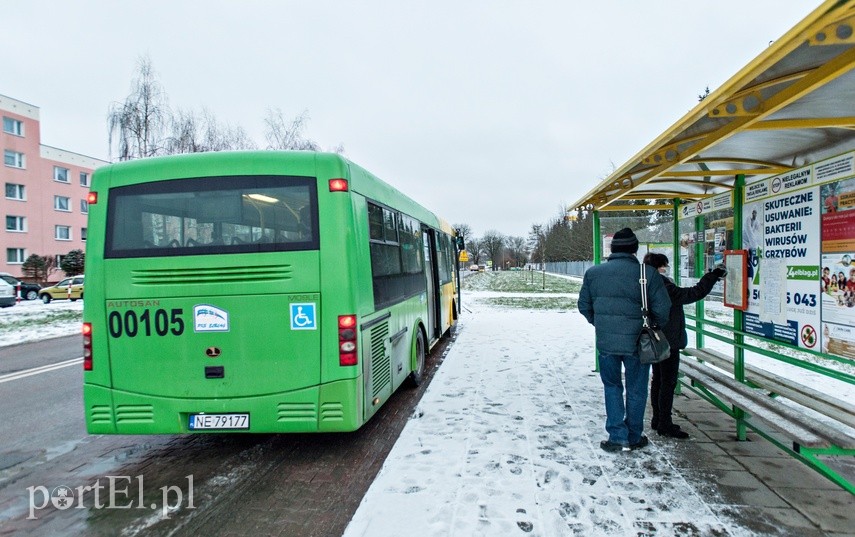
column 792, row 105
column 760, row 175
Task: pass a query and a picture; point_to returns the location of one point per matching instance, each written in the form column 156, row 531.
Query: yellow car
column 60, row 290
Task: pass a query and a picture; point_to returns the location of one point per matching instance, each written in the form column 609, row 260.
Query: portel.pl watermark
column 117, row 492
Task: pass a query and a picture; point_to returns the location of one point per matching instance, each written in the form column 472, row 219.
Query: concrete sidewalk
column 758, row 485
column 506, row 442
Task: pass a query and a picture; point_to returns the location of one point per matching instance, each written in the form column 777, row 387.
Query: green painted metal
column 771, row 353
column 699, row 271
column 739, row 339
column 675, row 239
column 155, row 363
column 734, row 335
column 806, row 455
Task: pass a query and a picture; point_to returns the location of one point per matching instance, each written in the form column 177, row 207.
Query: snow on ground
column 33, row 320
column 506, row 438
column 506, row 441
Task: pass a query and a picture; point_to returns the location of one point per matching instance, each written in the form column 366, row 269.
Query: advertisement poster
column 799, row 230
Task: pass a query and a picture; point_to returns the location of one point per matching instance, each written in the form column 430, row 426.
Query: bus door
column 431, row 273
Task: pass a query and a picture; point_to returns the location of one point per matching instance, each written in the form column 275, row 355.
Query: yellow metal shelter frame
column 792, row 106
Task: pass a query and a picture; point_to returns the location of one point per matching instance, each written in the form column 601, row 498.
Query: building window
column 15, row 223
column 13, row 159
column 63, row 233
column 14, row 256
column 83, row 234
column 84, row 179
column 15, row 192
column 61, row 203
column 60, row 174
column 13, row 126
column 84, row 206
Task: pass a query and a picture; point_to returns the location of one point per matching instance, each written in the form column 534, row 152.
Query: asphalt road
column 42, row 409
column 213, row 484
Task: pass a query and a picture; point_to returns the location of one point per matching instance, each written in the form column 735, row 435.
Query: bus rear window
column 207, row 215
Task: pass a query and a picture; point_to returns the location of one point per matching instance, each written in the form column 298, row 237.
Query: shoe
column 673, row 431
column 643, row 441
column 612, row 446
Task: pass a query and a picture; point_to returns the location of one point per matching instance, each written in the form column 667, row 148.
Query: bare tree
column 282, row 134
column 463, row 230
column 493, row 243
column 144, row 126
column 475, row 248
column 517, row 250
column 192, row 133
column 139, row 122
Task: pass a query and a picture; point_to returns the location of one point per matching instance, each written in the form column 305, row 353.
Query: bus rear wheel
column 418, row 374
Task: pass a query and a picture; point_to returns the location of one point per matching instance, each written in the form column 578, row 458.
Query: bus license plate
column 219, row 421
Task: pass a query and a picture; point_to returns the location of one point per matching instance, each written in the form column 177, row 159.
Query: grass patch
column 40, row 320
column 533, row 303
column 522, row 281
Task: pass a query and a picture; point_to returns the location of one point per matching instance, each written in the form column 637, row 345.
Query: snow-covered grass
column 32, row 320
column 520, row 282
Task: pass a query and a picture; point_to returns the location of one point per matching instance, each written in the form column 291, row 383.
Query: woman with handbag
column 664, row 380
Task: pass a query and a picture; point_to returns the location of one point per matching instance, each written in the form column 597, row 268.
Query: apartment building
column 45, row 204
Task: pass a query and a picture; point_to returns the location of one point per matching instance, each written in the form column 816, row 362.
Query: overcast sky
column 491, row 113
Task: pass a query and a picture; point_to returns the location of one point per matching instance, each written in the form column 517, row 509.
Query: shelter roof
column 791, row 106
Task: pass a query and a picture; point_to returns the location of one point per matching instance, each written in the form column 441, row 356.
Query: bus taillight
column 92, row 198
column 87, row 346
column 347, row 351
column 338, row 185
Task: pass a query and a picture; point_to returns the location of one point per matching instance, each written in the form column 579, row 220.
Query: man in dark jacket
column 610, row 299
column 665, row 372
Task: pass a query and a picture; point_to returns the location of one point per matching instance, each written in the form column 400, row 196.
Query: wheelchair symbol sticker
column 303, row 317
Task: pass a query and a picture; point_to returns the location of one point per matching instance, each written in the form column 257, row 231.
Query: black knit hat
column 625, row 241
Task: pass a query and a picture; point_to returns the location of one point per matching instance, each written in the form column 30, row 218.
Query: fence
column 570, row 268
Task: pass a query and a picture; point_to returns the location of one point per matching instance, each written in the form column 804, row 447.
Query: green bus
column 258, row 291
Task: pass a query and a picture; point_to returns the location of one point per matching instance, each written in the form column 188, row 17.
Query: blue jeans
column 624, row 419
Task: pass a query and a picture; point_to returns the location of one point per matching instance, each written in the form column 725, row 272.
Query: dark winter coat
column 675, row 329
column 610, row 300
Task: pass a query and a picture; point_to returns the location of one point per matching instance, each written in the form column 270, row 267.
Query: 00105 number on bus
column 130, row 324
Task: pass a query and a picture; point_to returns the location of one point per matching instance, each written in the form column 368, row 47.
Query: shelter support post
column 699, row 271
column 738, row 336
column 675, row 263
column 675, row 243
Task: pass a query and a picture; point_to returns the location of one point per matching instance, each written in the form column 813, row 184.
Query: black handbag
column 652, row 346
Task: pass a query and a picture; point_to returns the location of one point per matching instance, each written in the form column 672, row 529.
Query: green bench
column 761, row 398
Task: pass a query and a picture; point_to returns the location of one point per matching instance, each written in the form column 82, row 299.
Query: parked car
column 474, row 268
column 60, row 290
column 8, row 295
column 29, row 291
